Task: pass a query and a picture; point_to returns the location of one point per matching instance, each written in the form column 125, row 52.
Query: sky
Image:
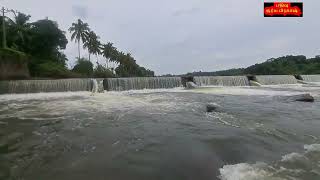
column 179, row 36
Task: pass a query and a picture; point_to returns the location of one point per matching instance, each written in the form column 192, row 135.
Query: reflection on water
column 161, row 134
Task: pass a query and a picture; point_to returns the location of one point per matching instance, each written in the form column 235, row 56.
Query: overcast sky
column 179, row 36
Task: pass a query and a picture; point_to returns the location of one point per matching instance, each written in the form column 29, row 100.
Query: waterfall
column 35, row 86
column 276, row 79
column 311, row 78
column 97, row 86
column 123, row 84
column 221, row 80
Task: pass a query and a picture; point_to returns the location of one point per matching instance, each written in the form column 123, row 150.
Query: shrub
column 83, row 67
column 53, row 70
column 102, row 72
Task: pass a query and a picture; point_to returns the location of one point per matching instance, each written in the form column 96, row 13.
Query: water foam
column 243, row 171
column 312, row 148
column 244, row 91
column 297, row 166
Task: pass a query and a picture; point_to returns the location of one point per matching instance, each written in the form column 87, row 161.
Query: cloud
column 80, row 11
column 184, row 35
column 189, row 11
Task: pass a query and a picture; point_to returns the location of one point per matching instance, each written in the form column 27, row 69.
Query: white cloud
column 177, row 36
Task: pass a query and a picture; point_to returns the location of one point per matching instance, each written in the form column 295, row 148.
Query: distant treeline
column 43, row 43
column 286, row 65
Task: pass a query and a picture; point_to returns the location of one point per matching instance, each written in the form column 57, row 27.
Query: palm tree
column 110, row 53
column 21, row 28
column 92, row 43
column 79, row 31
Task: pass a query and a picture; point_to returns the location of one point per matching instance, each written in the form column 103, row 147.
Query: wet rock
column 191, row 85
column 254, row 83
column 301, row 97
column 212, row 107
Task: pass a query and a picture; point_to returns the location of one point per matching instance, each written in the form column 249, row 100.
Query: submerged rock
column 191, row 85
column 301, row 97
column 212, row 107
column 304, row 97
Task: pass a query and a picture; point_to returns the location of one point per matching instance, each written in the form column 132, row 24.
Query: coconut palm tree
column 79, row 31
column 93, row 44
column 21, row 27
column 110, row 53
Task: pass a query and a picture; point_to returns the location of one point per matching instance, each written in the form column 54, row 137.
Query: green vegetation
column 286, row 65
column 43, row 42
column 83, row 67
column 13, row 55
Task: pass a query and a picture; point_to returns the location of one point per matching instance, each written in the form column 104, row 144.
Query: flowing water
column 34, row 86
column 161, row 134
column 122, row 84
column 276, row 79
column 311, row 78
column 221, row 80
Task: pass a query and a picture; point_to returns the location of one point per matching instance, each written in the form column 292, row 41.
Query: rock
column 185, row 79
column 212, row 107
column 301, row 97
column 254, row 83
column 191, row 85
column 302, row 82
column 305, row 98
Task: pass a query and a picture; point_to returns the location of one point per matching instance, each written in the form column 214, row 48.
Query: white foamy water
column 243, row 171
column 43, row 96
column 296, row 166
column 244, row 91
column 60, row 105
column 312, row 148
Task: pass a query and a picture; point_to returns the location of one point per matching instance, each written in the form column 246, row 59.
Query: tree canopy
column 43, row 42
column 286, row 65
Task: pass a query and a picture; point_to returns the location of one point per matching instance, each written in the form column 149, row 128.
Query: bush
column 53, row 70
column 102, row 72
column 12, row 56
column 83, row 67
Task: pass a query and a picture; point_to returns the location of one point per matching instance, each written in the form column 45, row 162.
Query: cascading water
column 123, row 84
column 35, row 86
column 94, row 86
column 221, row 80
column 97, row 85
column 311, row 78
column 276, row 79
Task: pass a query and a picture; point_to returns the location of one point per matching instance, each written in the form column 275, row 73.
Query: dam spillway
column 138, row 83
column 311, row 78
column 36, row 86
column 123, row 84
column 276, row 79
column 221, row 80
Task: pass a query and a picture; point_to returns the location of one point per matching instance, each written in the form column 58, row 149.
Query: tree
column 47, row 38
column 83, row 67
column 45, row 44
column 21, row 30
column 110, row 53
column 92, row 43
column 102, row 72
column 79, row 31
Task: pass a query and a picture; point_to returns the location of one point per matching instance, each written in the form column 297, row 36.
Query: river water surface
column 161, row 135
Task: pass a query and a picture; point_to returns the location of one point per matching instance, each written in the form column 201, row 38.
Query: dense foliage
column 43, row 42
column 83, row 67
column 286, row 65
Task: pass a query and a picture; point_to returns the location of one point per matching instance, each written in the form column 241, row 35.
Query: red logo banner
column 283, row 9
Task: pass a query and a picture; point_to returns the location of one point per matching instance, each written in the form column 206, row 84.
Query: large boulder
column 300, row 97
column 212, row 107
column 191, row 85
